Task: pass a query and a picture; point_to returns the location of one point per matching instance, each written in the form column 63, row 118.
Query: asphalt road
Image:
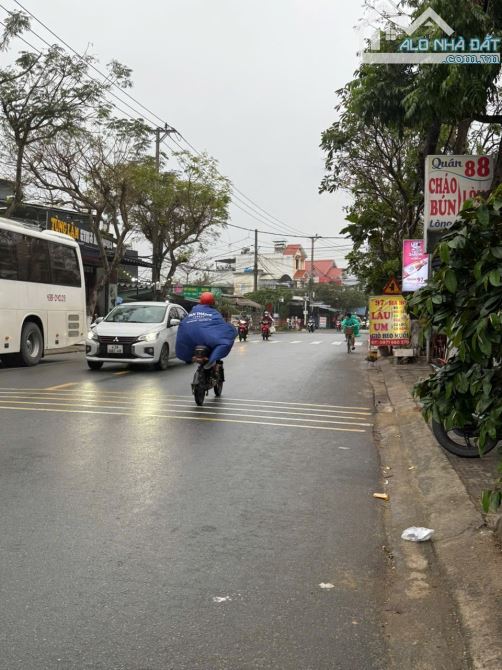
column 138, row 531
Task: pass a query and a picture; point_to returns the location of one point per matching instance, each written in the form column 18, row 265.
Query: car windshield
column 137, row 314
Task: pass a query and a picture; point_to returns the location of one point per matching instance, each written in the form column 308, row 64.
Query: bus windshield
column 137, row 314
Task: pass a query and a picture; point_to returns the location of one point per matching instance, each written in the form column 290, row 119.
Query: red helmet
column 206, row 298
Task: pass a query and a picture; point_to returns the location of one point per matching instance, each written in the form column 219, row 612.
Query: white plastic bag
column 417, row 534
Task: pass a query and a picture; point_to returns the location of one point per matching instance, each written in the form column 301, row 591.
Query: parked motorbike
column 242, row 330
column 265, row 331
column 464, row 441
column 205, row 380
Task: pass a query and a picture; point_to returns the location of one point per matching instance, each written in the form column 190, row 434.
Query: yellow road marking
column 219, row 404
column 183, row 418
column 60, row 386
column 122, row 372
column 191, row 411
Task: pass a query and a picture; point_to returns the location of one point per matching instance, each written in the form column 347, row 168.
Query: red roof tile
column 293, row 249
column 326, row 271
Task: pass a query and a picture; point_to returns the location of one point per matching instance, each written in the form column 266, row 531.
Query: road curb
column 74, row 349
column 464, row 548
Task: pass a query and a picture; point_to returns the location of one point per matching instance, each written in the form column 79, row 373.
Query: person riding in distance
column 205, row 326
column 266, row 318
column 351, row 321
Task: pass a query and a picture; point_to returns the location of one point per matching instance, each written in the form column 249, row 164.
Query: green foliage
column 464, row 301
column 271, row 296
column 177, row 211
column 340, row 297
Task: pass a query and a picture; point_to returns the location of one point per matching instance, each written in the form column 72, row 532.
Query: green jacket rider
column 351, row 321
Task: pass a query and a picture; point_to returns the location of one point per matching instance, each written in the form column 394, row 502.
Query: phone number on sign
column 56, row 297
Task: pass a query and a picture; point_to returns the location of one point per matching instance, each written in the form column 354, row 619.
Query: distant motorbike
column 310, row 326
column 243, row 330
column 205, row 380
column 265, row 331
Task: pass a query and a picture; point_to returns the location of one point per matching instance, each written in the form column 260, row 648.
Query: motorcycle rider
column 266, row 318
column 205, row 326
column 311, row 324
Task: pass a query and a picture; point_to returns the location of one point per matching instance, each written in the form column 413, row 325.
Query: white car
column 135, row 333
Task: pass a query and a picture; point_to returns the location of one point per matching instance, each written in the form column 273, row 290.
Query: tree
column 42, row 96
column 464, row 301
column 180, row 210
column 341, row 297
column 378, row 166
column 97, row 171
column 391, row 117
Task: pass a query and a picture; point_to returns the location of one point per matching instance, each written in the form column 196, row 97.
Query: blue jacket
column 204, row 326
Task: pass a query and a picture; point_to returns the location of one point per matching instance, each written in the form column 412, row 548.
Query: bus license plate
column 115, row 349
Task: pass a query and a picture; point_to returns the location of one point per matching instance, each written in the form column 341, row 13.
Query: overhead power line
column 258, row 212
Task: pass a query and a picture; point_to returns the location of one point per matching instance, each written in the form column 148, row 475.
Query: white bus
column 42, row 292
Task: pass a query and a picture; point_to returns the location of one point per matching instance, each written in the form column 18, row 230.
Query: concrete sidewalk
column 425, row 489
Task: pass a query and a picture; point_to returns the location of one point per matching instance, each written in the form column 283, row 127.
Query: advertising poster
column 389, row 322
column 449, row 182
column 415, row 265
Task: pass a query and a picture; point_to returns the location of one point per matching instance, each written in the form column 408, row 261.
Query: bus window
column 39, row 268
column 8, row 263
column 64, row 265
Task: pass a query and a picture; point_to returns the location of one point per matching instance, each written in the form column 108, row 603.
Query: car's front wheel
column 163, row 361
column 95, row 365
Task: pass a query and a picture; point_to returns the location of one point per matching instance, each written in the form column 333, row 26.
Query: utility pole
column 313, row 239
column 160, row 136
column 255, row 269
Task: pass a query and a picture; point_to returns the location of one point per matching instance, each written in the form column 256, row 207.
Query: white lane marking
column 60, row 386
column 197, row 411
column 135, row 396
column 296, row 342
column 317, row 342
column 155, row 396
column 184, row 408
column 182, row 418
column 337, row 344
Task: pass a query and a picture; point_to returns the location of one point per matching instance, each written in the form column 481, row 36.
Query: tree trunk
column 429, row 147
column 93, row 299
column 18, row 186
column 497, row 175
column 463, row 128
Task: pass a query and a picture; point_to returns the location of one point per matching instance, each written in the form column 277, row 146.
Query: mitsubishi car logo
column 116, row 339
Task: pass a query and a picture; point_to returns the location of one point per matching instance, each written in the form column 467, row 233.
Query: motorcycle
column 265, row 331
column 461, row 442
column 243, row 330
column 311, row 327
column 205, row 380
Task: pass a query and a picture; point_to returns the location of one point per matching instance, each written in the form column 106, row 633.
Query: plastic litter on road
column 417, row 534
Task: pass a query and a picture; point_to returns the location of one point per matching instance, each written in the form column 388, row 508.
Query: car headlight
column 149, row 337
column 92, row 335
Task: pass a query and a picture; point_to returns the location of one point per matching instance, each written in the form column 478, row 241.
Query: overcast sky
column 251, row 81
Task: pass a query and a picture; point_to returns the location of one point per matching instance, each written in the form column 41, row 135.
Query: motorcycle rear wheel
column 463, row 443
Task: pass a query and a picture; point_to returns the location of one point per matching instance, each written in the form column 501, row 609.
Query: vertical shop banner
column 415, row 265
column 389, row 322
column 449, row 182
